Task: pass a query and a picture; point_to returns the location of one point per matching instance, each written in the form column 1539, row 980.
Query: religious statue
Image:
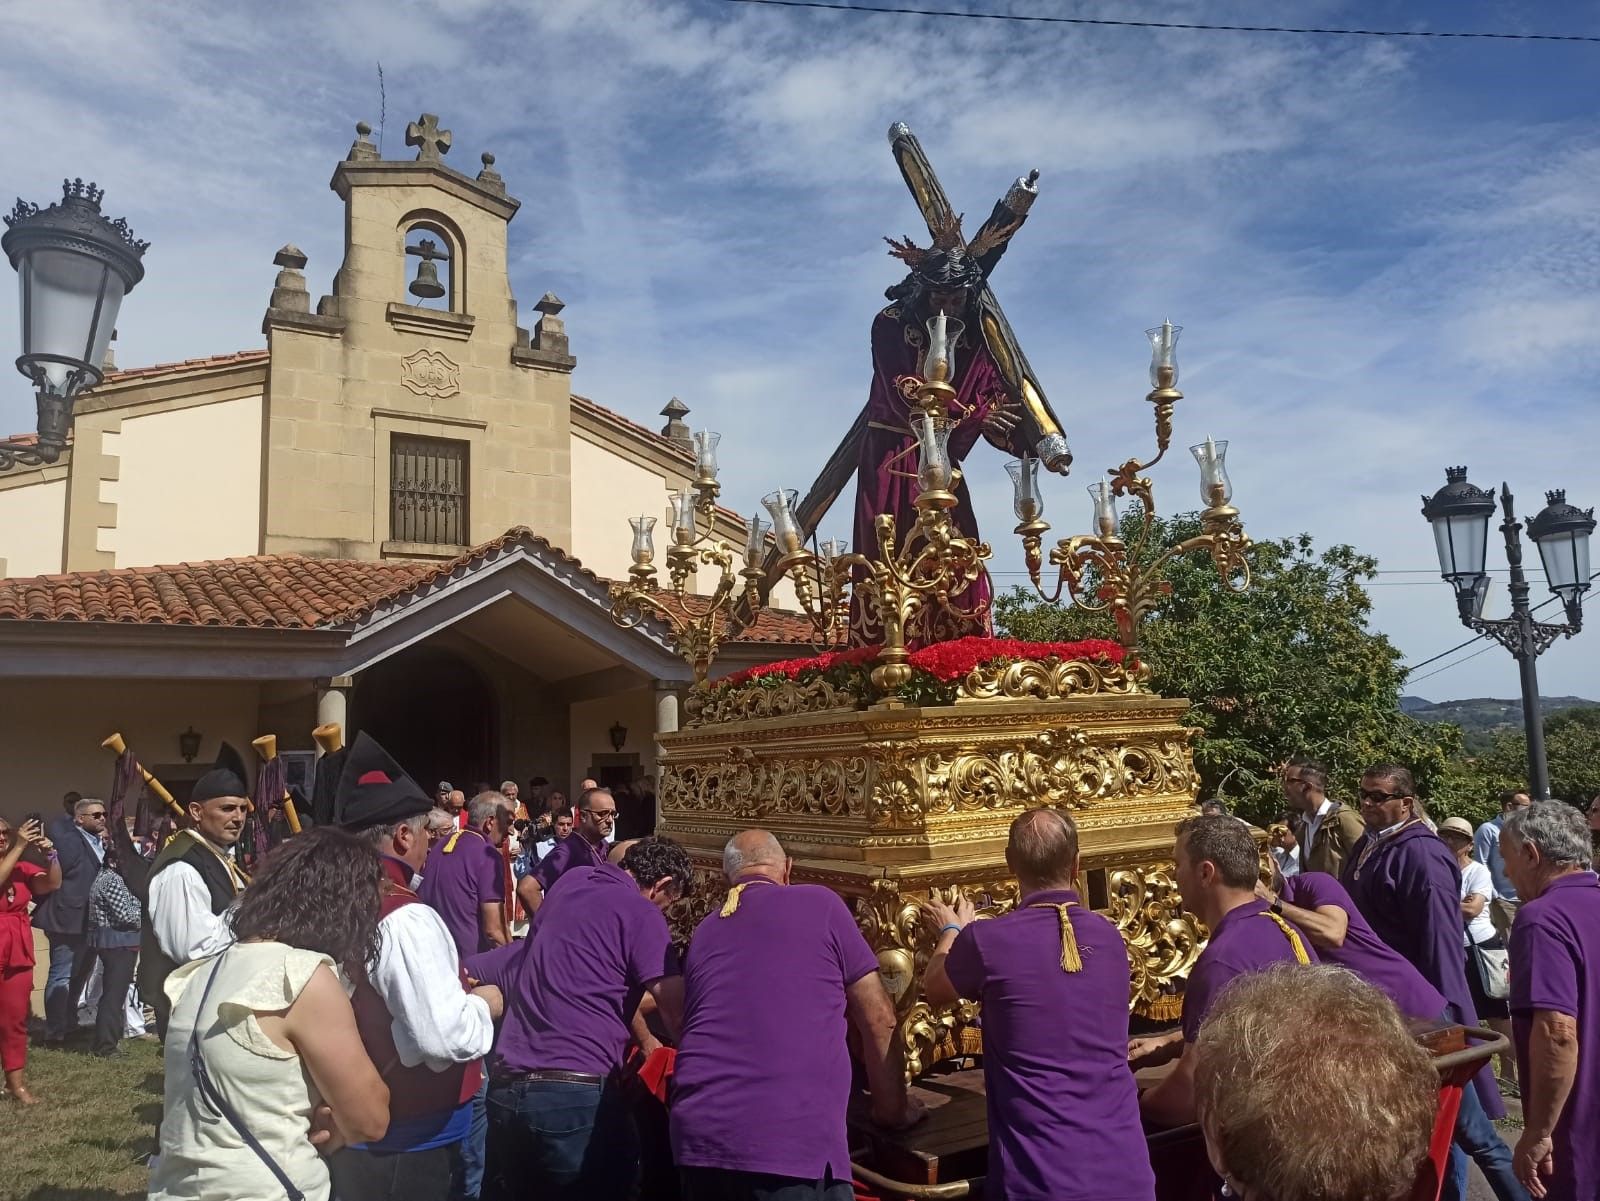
column 996, row 397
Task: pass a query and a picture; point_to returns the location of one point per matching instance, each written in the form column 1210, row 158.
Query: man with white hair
column 762, row 1075
column 1555, row 999
column 464, row 877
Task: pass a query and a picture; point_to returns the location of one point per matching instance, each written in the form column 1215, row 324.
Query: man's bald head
column 755, row 853
column 1042, row 851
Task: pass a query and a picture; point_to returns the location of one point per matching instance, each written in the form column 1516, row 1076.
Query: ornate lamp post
column 1459, row 513
column 74, row 267
column 1100, row 571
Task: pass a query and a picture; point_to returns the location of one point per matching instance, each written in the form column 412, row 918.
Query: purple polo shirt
column 571, row 986
column 1363, row 952
column 572, row 851
column 1555, row 964
column 1245, row 940
column 462, row 875
column 1063, row 1107
column 766, row 985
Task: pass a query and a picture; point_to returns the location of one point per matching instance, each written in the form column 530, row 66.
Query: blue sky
column 1386, row 253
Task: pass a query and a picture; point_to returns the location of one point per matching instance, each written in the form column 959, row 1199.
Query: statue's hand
column 999, row 422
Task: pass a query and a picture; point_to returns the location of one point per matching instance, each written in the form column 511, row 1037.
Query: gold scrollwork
column 708, row 891
column 1061, row 767
column 743, row 785
column 1047, row 681
column 710, row 706
column 1163, row 940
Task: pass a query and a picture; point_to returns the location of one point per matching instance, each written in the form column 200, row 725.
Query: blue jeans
column 561, row 1141
column 467, row 1177
column 1476, row 1138
column 67, row 951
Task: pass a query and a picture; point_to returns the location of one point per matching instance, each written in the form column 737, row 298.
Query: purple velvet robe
column 1409, row 890
column 889, row 446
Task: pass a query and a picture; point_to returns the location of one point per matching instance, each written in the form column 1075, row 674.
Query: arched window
column 432, row 275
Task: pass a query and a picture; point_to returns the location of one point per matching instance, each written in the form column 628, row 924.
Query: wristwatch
column 1277, row 906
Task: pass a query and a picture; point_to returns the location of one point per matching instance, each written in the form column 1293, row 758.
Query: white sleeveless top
column 202, row 1156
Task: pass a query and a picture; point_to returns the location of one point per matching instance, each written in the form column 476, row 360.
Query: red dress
column 16, row 965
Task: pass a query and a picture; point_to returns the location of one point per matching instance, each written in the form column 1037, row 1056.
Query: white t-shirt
column 1475, row 879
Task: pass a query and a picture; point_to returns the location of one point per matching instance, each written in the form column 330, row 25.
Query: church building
column 397, row 516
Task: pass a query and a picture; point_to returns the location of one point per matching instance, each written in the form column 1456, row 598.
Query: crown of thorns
column 947, row 236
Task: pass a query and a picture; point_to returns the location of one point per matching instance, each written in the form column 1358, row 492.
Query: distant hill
column 1481, row 718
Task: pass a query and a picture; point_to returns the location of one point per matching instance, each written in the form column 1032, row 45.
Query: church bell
column 427, row 285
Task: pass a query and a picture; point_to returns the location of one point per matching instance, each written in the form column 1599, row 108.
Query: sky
column 1385, row 253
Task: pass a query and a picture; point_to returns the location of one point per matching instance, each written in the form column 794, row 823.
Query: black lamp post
column 75, row 266
column 1459, row 513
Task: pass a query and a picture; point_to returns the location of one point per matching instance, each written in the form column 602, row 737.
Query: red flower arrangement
column 936, row 668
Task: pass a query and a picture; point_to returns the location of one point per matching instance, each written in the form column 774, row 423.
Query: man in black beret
column 193, row 881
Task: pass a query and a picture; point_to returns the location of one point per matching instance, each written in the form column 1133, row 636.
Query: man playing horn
column 193, row 882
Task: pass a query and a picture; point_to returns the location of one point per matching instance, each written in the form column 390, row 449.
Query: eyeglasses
column 97, row 816
column 1378, row 798
column 602, row 815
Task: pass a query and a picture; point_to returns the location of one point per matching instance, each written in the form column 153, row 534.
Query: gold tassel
column 1292, row 935
column 1071, row 961
column 731, row 905
column 451, row 845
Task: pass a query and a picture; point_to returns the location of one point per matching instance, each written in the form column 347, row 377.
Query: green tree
column 1288, row 666
column 1571, row 748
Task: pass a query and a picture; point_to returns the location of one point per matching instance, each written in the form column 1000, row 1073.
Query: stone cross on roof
column 431, row 141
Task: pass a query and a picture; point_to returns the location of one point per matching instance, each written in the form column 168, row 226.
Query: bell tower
column 408, row 414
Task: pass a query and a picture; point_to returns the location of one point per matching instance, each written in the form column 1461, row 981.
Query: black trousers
column 117, row 974
column 721, row 1184
column 360, row 1175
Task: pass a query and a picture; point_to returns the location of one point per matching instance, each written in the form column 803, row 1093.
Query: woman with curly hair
column 263, row 1034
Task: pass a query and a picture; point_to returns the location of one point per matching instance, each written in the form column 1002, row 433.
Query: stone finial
column 109, row 363
column 550, row 332
column 432, row 143
column 289, row 290
column 676, row 430
column 362, row 150
column 489, row 177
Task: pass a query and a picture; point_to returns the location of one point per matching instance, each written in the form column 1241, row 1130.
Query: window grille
column 427, row 490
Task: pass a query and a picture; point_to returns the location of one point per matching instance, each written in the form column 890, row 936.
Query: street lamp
column 74, row 267
column 1459, row 513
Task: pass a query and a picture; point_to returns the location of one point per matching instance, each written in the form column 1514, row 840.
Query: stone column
column 666, row 723
column 333, row 704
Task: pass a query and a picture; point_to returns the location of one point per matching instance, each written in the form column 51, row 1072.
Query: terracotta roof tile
column 215, row 360
column 279, row 592
column 643, row 430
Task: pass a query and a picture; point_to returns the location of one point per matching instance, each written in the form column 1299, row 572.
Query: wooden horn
column 118, row 747
column 267, row 747
column 329, row 737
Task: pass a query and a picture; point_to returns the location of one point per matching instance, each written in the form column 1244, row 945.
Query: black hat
column 373, row 789
column 226, row 778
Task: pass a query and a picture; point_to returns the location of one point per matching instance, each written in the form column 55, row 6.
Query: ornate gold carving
column 430, row 373
column 1061, row 767
column 743, row 785
column 710, row 889
column 742, row 702
column 1163, row 940
column 1056, row 680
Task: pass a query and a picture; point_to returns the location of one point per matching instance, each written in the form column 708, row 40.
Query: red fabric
column 656, row 1072
column 1431, row 1178
column 16, row 990
column 16, row 928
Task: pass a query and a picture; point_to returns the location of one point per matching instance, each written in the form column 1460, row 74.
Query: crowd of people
column 361, row 1021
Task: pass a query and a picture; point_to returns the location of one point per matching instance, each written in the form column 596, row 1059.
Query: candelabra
column 1100, row 571
column 910, row 583
column 698, row 625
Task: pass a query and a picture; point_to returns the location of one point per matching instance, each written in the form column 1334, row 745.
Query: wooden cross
column 431, row 141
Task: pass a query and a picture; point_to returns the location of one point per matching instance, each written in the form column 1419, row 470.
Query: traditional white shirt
column 418, row 975
column 180, row 914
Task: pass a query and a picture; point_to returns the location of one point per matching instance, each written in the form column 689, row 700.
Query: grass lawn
column 94, row 1125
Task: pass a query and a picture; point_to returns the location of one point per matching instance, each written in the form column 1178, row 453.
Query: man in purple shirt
column 762, row 1075
column 559, row 1126
column 1555, row 999
column 1407, row 884
column 1217, row 865
column 584, row 847
column 1053, row 979
column 464, row 881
